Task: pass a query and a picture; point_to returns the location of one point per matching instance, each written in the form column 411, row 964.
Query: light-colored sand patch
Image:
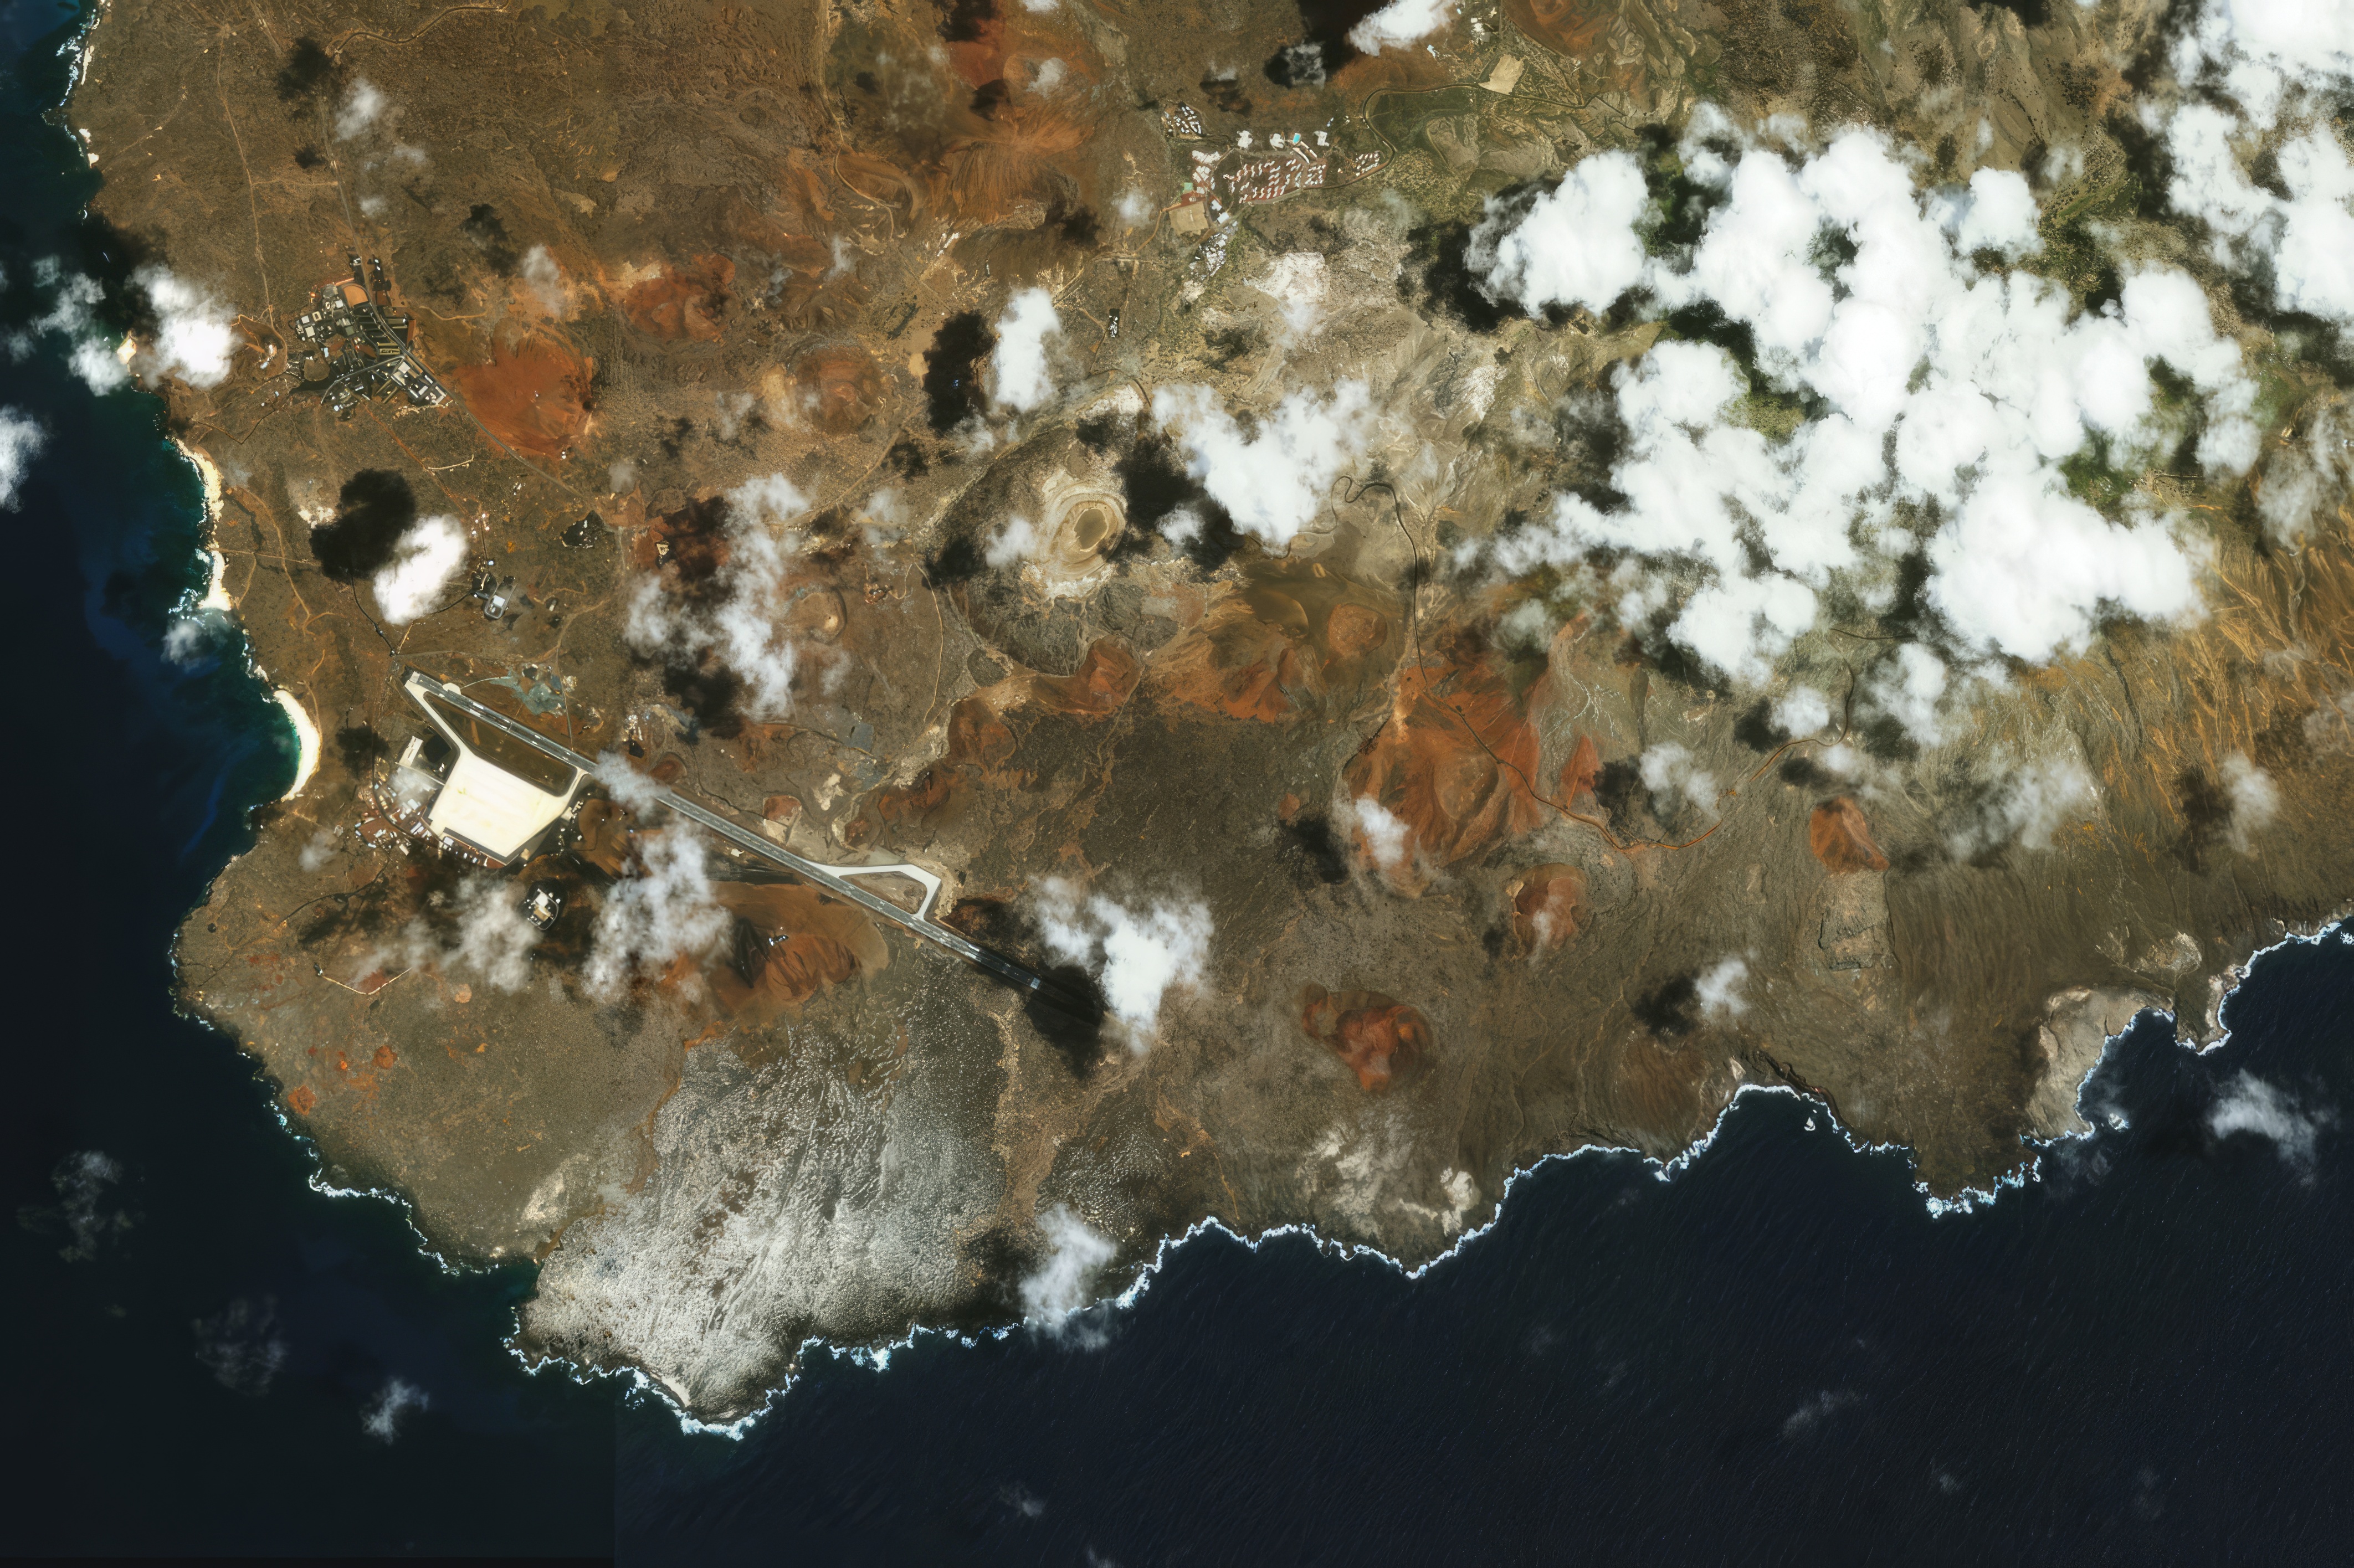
column 306, row 735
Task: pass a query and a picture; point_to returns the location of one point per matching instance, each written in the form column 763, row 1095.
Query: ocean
column 1776, row 1353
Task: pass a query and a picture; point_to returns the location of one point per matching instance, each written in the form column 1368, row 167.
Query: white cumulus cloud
column 1575, row 246
column 494, row 940
column 1931, row 384
column 2304, row 477
column 1273, row 481
column 363, row 107
column 2251, row 1105
column 1019, row 376
column 21, row 440
column 383, row 1415
column 1136, row 954
column 745, row 625
column 1386, row 834
column 2255, row 799
column 1802, row 711
column 1400, row 23
column 73, row 315
column 544, row 279
column 1018, row 541
column 1076, row 1253
column 1673, row 776
column 195, row 334
column 1297, row 283
column 2029, row 805
column 662, row 910
column 2000, row 215
column 1719, row 990
column 422, row 565
column 2279, row 62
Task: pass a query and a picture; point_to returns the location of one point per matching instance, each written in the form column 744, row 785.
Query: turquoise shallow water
column 1777, row 1355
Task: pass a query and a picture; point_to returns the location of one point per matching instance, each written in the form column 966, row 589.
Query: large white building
column 498, row 795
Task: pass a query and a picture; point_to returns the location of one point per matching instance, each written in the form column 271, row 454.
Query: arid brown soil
column 660, row 254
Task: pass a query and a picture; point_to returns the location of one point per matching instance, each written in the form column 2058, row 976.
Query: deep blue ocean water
column 1779, row 1354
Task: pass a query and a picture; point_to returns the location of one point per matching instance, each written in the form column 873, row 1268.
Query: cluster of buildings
column 354, row 345
column 475, row 792
column 1272, row 179
column 1224, row 178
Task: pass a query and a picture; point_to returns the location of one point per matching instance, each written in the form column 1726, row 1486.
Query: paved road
column 833, row 879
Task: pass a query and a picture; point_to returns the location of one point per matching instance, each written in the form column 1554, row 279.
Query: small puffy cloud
column 1802, row 711
column 1134, row 208
column 735, row 409
column 747, row 625
column 1303, row 65
column 1741, row 624
column 2310, row 38
column 99, row 367
column 363, row 107
column 2209, row 182
column 2029, row 806
column 1719, row 990
column 491, row 941
column 1138, row 955
column 73, row 315
column 1273, row 481
column 545, row 279
column 662, row 911
column 322, row 846
column 1076, row 1253
column 2304, row 479
column 241, row 1347
column 629, row 788
column 1019, row 376
column 1907, row 689
column 2313, row 267
column 2253, row 1106
column 21, row 440
column 194, row 336
column 425, row 561
column 765, row 501
column 2330, row 727
column 1576, row 245
column 1400, row 23
column 2255, row 799
column 1296, row 281
column 493, row 938
column 743, row 622
column 1816, row 1411
column 1386, row 836
column 1674, row 776
column 1017, row 542
column 191, row 638
column 85, row 1183
column 382, row 1417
